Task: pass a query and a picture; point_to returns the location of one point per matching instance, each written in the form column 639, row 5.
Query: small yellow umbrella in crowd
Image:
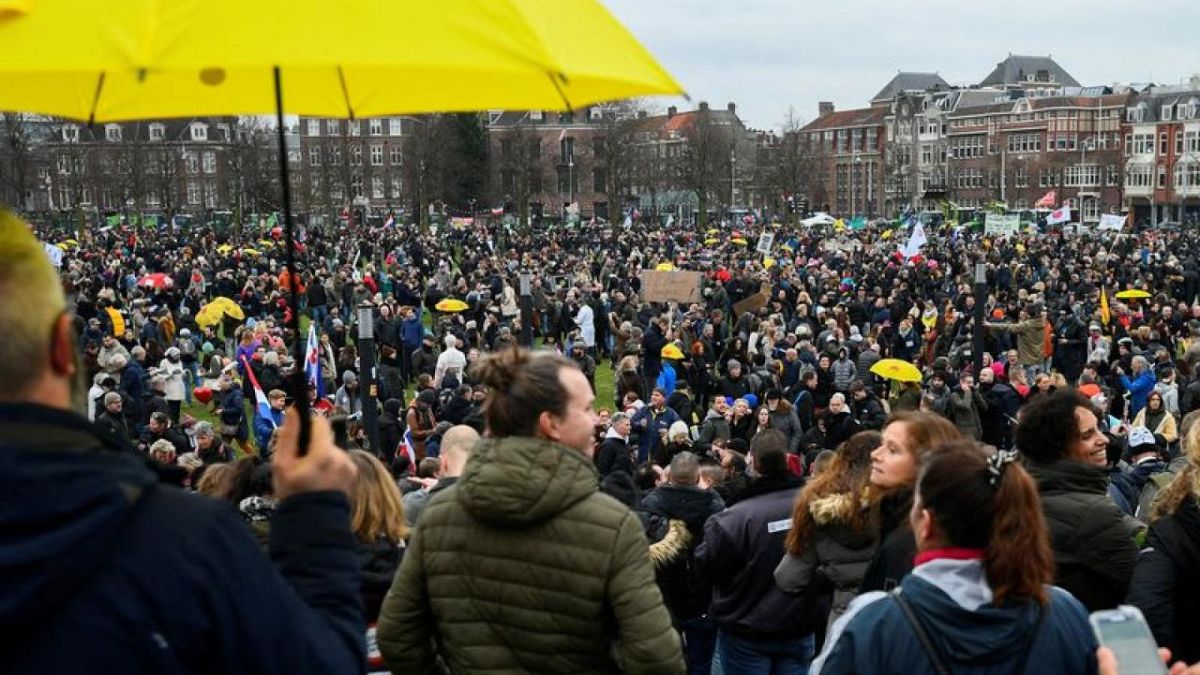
column 671, row 351
column 224, row 248
column 739, row 241
column 251, row 252
column 714, row 231
column 219, row 307
column 896, row 369
column 712, row 241
column 664, row 267
column 451, row 305
column 118, row 321
column 768, row 263
column 1133, row 294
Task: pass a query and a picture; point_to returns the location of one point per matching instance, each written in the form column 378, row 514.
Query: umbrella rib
column 554, row 79
column 345, row 92
column 96, row 99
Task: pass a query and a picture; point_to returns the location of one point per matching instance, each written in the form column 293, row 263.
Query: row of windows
column 379, row 188
column 375, row 126
column 197, row 131
column 395, row 155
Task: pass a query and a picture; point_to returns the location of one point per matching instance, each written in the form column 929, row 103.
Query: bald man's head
column 456, row 448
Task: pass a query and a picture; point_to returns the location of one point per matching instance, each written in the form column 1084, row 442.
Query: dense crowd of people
column 730, row 485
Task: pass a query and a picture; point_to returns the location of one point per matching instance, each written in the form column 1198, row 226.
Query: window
column 1138, row 177
column 1025, row 142
column 353, row 127
column 314, row 156
column 1191, row 141
column 64, row 165
column 313, row 127
column 1062, row 142
column 1021, row 178
column 566, row 150
column 1141, row 144
column 842, row 140
column 1166, row 113
column 872, row 138
column 395, row 185
column 210, row 162
column 595, row 113
column 356, row 155
column 1049, row 178
column 70, row 134
column 1112, row 175
column 223, row 132
column 210, row 195
column 191, row 161
column 1162, row 143
column 199, row 131
column 333, row 127
column 376, row 155
column 395, row 126
column 335, row 155
column 599, row 180
column 1178, row 142
column 396, row 155
column 112, row 132
column 377, row 187
column 157, row 132
column 376, row 126
column 536, row 115
column 1091, row 209
column 193, row 193
column 1082, row 175
column 1162, row 176
column 356, row 187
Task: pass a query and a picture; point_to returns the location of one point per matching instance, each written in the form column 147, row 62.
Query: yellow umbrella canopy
column 896, row 369
column 224, row 248
column 450, row 305
column 671, row 351
column 251, row 252
column 712, row 241
column 209, row 315
column 144, row 58
column 664, row 267
column 228, row 307
column 1133, row 294
column 739, row 241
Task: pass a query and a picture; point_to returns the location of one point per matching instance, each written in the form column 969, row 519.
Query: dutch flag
column 261, row 405
column 406, row 447
column 312, row 362
column 391, row 220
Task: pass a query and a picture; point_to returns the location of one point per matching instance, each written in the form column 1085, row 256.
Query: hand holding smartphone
column 1125, row 632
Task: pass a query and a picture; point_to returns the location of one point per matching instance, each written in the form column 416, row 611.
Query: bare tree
column 521, row 171
column 16, row 167
column 795, row 169
column 704, row 163
column 251, row 166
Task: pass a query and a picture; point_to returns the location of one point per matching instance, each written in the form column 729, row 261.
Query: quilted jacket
column 523, row 566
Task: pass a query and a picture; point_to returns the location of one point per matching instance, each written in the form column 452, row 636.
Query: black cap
column 774, row 394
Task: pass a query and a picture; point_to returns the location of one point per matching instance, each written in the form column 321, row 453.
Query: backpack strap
column 923, row 637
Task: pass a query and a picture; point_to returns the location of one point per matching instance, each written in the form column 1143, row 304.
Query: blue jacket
column 264, row 427
column 105, row 570
column 648, row 424
column 954, row 603
column 412, row 331
column 1139, row 390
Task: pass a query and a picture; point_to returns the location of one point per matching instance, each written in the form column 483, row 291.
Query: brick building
column 849, row 150
column 1162, row 154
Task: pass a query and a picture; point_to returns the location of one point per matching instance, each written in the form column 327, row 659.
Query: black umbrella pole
column 299, row 385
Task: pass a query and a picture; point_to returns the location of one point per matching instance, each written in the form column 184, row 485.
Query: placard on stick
column 673, row 286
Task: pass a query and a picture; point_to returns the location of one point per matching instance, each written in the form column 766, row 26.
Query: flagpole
column 299, row 387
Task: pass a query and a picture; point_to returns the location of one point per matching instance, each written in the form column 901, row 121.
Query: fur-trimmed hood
column 836, row 508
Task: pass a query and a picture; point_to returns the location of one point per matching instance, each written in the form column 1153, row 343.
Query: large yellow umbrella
column 229, row 307
column 209, row 315
column 896, row 369
column 139, row 59
column 1133, row 294
column 450, row 305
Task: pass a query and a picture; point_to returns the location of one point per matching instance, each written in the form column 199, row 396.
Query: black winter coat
column 1166, row 582
column 1093, row 542
column 613, row 455
column 684, row 585
column 894, row 558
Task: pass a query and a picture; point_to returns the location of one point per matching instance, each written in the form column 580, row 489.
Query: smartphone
column 1125, row 632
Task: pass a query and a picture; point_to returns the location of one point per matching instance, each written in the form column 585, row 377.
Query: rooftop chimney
column 671, row 112
column 824, row 108
column 703, row 106
column 732, row 108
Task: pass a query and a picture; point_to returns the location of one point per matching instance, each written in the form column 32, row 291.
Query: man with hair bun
column 522, row 564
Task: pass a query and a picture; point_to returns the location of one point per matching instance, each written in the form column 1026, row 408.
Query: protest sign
column 672, row 286
column 1001, row 225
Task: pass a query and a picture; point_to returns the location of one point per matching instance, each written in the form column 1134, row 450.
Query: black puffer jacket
column 893, row 560
column 674, row 519
column 1093, row 541
column 1166, row 582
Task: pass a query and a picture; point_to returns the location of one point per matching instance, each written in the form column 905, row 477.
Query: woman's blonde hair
column 378, row 511
column 1186, row 483
column 215, row 481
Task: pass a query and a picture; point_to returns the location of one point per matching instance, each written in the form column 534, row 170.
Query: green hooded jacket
column 523, row 566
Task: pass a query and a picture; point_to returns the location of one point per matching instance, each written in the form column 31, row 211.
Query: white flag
column 1063, row 215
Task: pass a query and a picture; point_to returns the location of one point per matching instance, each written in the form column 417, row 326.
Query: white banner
column 55, row 254
column 1112, row 221
column 1001, row 225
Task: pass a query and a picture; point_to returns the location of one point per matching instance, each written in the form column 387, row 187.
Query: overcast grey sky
column 767, row 55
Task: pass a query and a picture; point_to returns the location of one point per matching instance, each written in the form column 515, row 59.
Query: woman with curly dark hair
column 833, row 538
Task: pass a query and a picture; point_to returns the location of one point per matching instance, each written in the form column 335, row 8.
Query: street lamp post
column 732, row 177
column 526, row 296
column 981, row 294
column 367, row 380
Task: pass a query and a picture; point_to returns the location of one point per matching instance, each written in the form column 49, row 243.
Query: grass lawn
column 604, row 397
